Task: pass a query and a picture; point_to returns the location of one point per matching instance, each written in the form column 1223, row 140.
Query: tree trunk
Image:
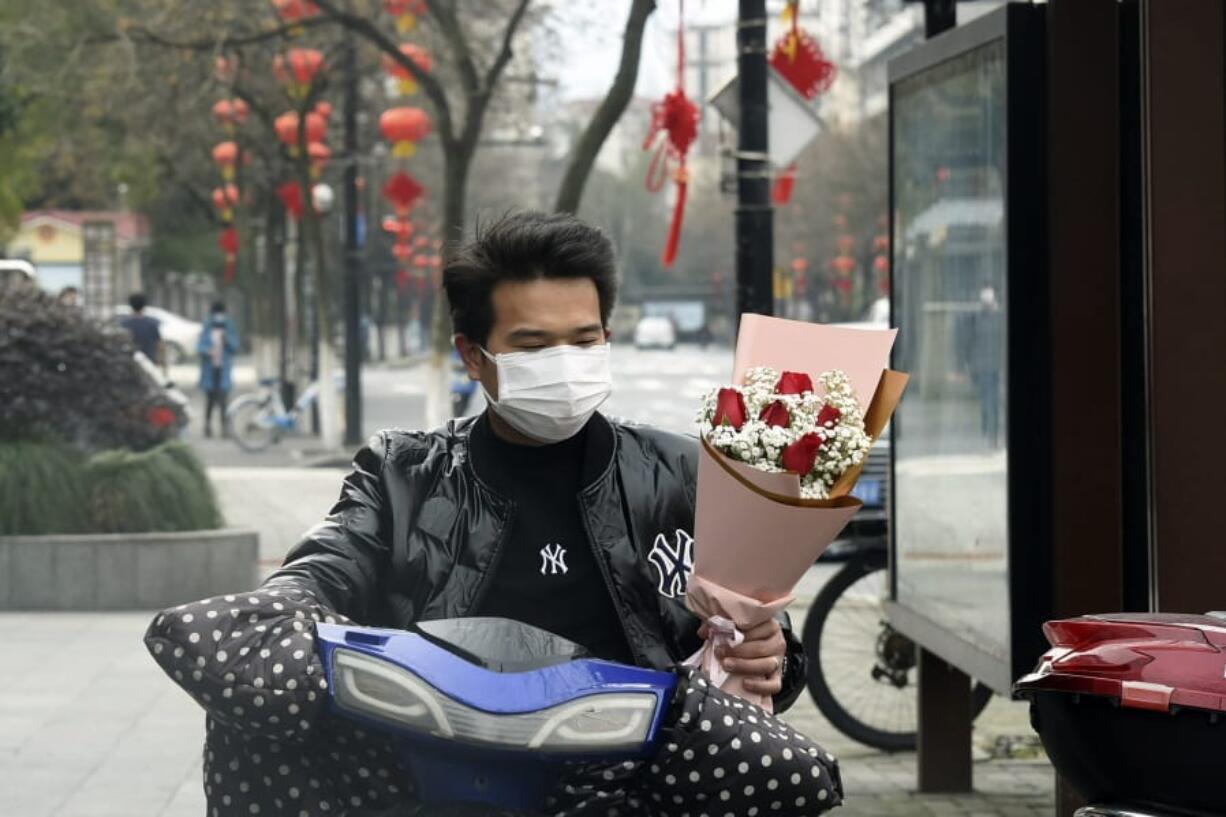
column 583, row 157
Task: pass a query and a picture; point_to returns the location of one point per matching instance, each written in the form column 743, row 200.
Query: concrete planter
column 124, row 571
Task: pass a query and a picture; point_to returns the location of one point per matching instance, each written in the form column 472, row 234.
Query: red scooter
column 1132, row 711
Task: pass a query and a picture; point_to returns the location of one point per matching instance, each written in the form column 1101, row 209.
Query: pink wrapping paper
column 754, row 536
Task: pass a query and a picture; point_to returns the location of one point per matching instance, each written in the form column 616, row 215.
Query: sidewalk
column 90, row 727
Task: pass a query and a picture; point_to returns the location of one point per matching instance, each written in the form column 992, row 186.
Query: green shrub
column 42, row 489
column 162, row 489
column 67, row 376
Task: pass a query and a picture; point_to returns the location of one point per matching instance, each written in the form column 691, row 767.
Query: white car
column 655, row 333
column 179, row 334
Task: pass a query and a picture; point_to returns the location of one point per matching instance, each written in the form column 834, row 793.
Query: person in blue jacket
column 217, row 347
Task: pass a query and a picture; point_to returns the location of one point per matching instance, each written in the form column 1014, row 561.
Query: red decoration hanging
column 290, row 194
column 294, row 12
column 406, row 82
column 781, row 191
column 677, row 117
column 297, row 70
column 225, row 156
column 319, row 154
column 406, row 12
column 225, row 199
column 225, row 69
column 403, row 192
column 799, row 59
column 324, row 108
column 286, row 128
column 404, row 128
column 228, row 242
column 230, row 113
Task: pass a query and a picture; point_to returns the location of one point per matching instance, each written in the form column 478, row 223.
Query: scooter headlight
column 602, row 722
column 378, row 689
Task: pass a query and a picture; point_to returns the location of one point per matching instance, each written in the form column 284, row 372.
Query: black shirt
column 547, row 572
column 145, row 334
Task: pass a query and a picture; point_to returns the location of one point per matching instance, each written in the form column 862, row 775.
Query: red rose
column 793, row 383
column 828, row 414
column 729, row 408
column 800, row 455
column 776, row 414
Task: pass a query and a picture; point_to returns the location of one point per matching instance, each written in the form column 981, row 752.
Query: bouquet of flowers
column 780, row 452
column 779, row 423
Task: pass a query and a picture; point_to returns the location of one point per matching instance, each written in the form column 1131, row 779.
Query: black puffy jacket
column 416, row 534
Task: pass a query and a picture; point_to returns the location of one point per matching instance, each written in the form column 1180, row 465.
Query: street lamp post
column 754, row 214
column 353, row 254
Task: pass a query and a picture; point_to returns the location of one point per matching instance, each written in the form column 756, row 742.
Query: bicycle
column 260, row 419
column 862, row 672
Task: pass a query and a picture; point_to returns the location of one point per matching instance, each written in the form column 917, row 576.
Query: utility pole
column 353, row 254
column 755, row 229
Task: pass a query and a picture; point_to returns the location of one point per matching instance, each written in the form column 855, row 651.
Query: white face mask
column 549, row 395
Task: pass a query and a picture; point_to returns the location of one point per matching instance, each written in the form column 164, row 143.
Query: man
column 145, row 330
column 541, row 510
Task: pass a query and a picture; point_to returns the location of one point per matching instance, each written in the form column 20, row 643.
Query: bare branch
column 139, row 32
column 450, row 26
column 505, row 51
column 428, row 82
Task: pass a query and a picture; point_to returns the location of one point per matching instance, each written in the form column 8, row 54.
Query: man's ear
column 470, row 353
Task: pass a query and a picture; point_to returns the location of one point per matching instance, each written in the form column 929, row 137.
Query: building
column 101, row 253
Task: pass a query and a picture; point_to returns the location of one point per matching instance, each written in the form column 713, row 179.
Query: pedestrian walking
column 217, row 347
column 145, row 330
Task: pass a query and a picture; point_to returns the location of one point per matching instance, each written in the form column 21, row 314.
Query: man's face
column 532, row 315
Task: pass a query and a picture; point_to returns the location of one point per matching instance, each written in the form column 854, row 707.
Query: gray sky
column 593, row 46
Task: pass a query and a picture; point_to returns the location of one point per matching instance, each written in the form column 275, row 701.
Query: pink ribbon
column 722, row 633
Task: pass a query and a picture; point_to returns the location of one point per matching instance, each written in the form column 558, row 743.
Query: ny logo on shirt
column 553, row 559
column 673, row 563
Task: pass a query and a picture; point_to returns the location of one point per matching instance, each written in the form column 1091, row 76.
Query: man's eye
column 587, row 342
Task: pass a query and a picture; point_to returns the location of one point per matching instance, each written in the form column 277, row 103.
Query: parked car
column 655, row 333
column 179, row 334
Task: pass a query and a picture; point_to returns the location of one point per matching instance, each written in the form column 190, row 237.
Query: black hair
column 137, row 301
column 218, row 306
column 525, row 245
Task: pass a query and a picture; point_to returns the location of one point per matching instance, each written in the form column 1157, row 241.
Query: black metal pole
column 755, row 239
column 353, row 254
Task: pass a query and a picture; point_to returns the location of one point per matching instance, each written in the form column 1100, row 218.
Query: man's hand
column 759, row 658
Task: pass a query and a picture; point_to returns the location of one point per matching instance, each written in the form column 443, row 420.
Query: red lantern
column 843, row 264
column 406, row 12
column 225, row 156
column 403, row 252
column 324, row 108
column 320, row 154
column 286, row 128
column 230, row 113
column 297, row 69
column 294, row 12
column 225, row 199
column 881, row 264
column 799, row 265
column 404, row 127
column 403, row 192
column 291, row 199
column 228, row 242
column 225, row 69
column 407, row 83
column 421, row 241
column 881, row 243
column 398, row 227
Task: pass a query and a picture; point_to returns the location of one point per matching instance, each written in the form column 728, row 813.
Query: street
column 90, row 727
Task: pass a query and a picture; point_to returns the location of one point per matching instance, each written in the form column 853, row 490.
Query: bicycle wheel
column 862, row 672
column 252, row 419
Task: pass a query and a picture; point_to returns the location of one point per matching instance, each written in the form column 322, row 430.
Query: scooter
column 1130, row 708
column 490, row 712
